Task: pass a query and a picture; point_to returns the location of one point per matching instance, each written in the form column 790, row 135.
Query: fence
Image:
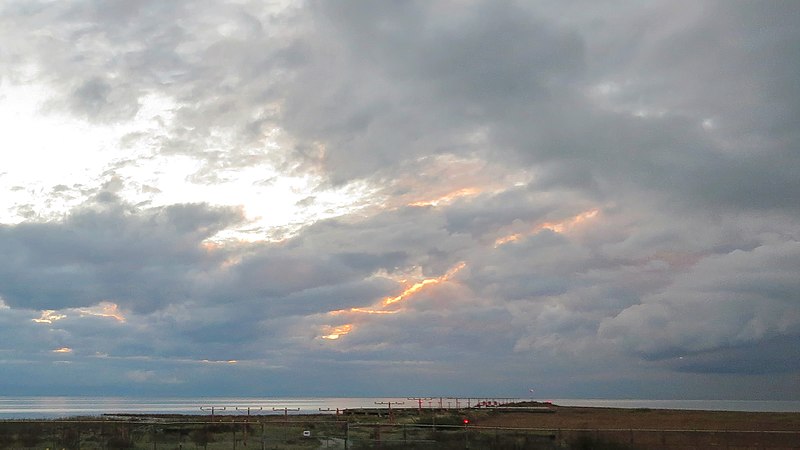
column 460, row 437
column 228, row 433
column 305, row 432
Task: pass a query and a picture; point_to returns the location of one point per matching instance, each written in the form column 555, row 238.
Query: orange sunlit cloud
column 557, row 227
column 211, row 246
column 363, row 311
column 63, row 350
column 335, row 333
column 448, row 198
column 392, row 304
column 49, row 316
column 104, row 309
column 446, row 178
column 417, row 287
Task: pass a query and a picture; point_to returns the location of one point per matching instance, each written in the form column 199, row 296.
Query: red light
column 466, row 421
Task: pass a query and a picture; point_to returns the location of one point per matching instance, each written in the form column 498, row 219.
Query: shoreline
column 44, row 407
column 521, row 415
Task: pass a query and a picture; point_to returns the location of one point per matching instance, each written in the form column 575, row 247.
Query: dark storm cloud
column 483, row 216
column 393, row 83
column 141, row 261
column 277, row 272
column 770, row 356
column 727, row 63
column 725, row 300
column 411, row 236
column 404, row 81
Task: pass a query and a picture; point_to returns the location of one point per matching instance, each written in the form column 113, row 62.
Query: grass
column 578, row 428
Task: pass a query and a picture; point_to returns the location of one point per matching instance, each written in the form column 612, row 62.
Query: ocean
column 57, row 407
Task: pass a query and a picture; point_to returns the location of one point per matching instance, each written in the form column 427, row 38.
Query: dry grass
column 654, row 419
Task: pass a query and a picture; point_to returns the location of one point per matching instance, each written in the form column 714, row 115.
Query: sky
column 400, row 198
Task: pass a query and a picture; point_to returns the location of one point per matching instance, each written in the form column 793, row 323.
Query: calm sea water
column 53, row 407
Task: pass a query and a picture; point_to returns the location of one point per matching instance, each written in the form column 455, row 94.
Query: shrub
column 586, row 442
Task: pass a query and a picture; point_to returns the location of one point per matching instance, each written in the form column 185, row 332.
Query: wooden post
column 391, row 417
column 286, row 420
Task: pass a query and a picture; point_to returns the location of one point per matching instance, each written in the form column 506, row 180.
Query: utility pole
column 391, row 417
column 286, row 420
column 247, row 420
column 453, row 398
column 212, row 409
column 286, row 411
column 466, row 433
column 419, row 399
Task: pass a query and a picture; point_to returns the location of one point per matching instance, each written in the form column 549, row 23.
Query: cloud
column 407, row 81
column 141, row 260
column 618, row 181
column 725, row 301
column 150, row 376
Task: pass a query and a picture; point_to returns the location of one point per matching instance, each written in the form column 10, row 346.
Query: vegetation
column 587, row 442
column 573, row 428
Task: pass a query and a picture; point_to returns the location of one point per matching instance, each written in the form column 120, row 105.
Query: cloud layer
column 595, row 201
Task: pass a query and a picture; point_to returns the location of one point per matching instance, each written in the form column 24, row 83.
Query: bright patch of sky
column 42, row 151
column 51, row 161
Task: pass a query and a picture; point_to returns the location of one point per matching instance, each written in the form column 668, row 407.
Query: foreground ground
column 618, row 428
column 655, row 419
column 538, row 427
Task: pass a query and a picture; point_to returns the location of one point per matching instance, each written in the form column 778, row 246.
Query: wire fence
column 305, row 432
